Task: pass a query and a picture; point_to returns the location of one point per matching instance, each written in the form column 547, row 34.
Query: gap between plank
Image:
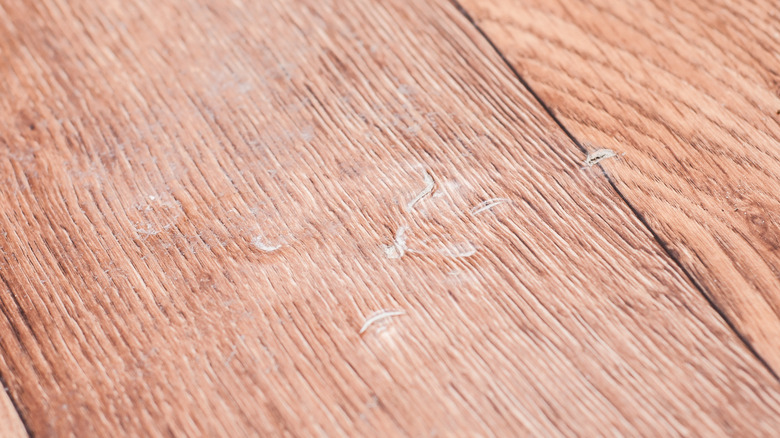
column 636, row 213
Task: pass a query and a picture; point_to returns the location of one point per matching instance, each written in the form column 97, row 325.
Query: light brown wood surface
column 11, row 424
column 201, row 208
column 688, row 94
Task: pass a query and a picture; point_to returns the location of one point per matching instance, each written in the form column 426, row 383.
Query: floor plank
column 205, row 201
column 688, row 95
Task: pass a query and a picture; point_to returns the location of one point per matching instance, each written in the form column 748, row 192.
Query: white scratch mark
column 230, row 357
column 398, row 248
column 378, row 316
column 598, row 155
column 488, row 204
column 151, row 231
column 260, row 244
column 429, row 185
column 447, row 187
column 459, row 250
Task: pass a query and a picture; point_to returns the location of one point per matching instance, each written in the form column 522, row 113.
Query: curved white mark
column 378, row 316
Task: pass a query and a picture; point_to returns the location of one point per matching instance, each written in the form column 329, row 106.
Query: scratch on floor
column 600, row 154
column 230, row 357
column 397, row 249
column 152, row 231
column 459, row 250
column 488, row 204
column 259, row 243
column 429, row 185
column 378, row 316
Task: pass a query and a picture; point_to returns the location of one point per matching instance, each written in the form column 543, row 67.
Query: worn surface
column 689, row 92
column 203, row 203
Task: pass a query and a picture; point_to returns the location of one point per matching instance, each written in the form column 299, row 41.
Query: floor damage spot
column 488, row 204
column 259, row 243
column 600, row 154
column 397, row 249
column 379, row 316
column 429, row 185
column 459, row 250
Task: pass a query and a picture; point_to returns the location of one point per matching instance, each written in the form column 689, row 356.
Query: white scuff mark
column 307, row 134
column 397, row 249
column 596, row 156
column 429, row 185
column 260, row 243
column 230, row 357
column 488, row 204
column 378, row 316
column 150, row 230
column 451, row 186
column 459, row 250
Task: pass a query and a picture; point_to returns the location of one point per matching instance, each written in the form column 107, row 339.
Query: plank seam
column 636, row 213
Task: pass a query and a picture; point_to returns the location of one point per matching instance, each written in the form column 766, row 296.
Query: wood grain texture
column 688, row 94
column 196, row 198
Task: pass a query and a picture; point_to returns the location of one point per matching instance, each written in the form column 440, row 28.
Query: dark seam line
column 3, row 380
column 639, row 216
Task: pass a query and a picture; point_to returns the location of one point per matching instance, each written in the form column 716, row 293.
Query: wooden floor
column 389, row 218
